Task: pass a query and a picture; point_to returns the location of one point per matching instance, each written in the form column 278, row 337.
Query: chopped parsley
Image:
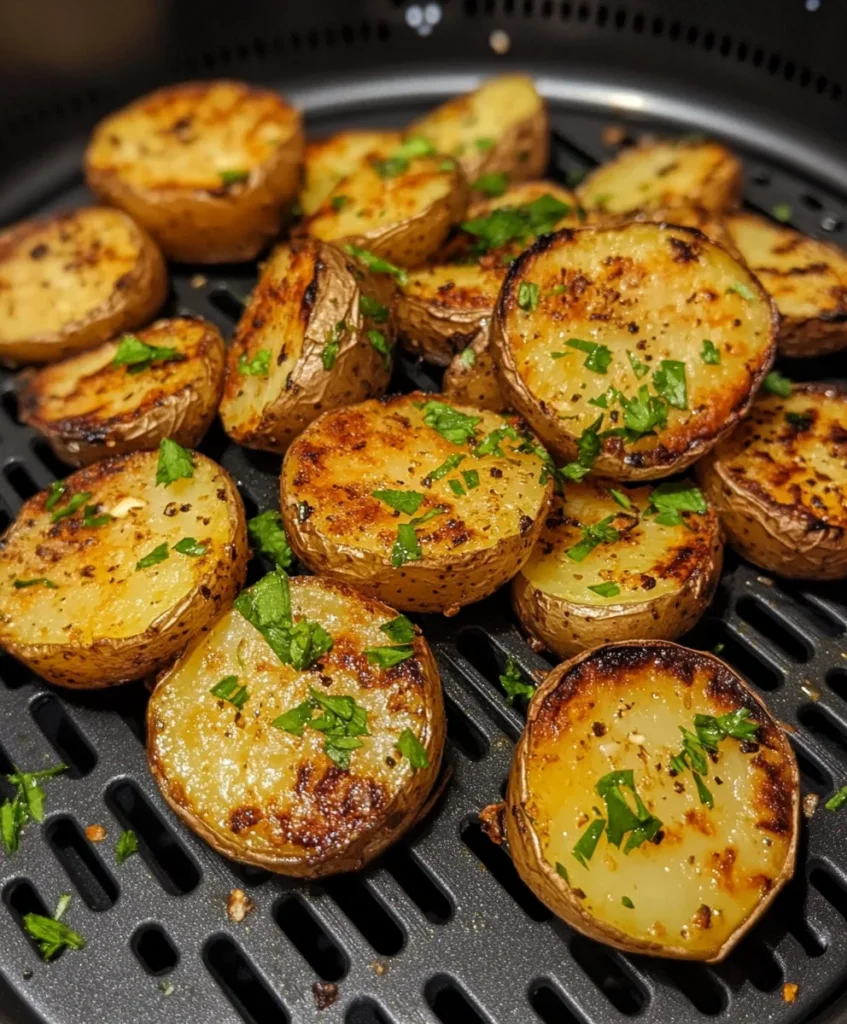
column 229, row 690
column 627, row 902
column 598, row 533
column 588, row 447
column 669, row 381
column 709, row 353
column 471, row 478
column 339, row 202
column 490, row 445
column 703, row 791
column 606, row 589
column 407, row 547
column 449, row 464
column 26, row 805
column 467, row 357
column 620, row 498
column 294, row 720
column 642, row 414
column 484, row 144
column 37, row 581
column 372, row 309
column 782, row 212
column 492, row 184
column 333, row 341
column 175, row 462
column 54, row 493
column 233, row 177
column 91, row 519
column 454, row 426
column 376, row 263
column 775, row 384
column 400, row 630
column 386, row 657
column 638, row 368
column 515, row 223
column 413, row 750
column 377, row 340
column 585, row 846
column 401, row 501
column 190, row 546
column 126, row 845
column 528, row 293
column 640, row 824
column 267, row 536
column 158, row 554
column 513, row 682
column 668, row 500
column 342, row 722
column 562, row 871
column 599, row 356
column 257, row 366
column 456, row 488
column 138, row 356
column 50, row 933
column 745, row 291
column 711, row 731
column 799, row 420
column 390, row 167
column 837, row 800
column 75, row 502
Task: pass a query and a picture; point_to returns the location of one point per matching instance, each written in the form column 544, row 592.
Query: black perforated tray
column 441, row 929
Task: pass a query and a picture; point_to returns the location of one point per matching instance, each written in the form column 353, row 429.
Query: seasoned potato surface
column 329, row 160
column 471, row 377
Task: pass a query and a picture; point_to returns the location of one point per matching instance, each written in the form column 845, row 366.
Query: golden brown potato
column 70, row 281
column 713, row 225
column 779, row 483
column 619, row 563
column 631, row 351
column 207, row 167
column 665, row 174
column 398, row 209
column 127, row 394
column 107, row 575
column 471, row 377
column 501, row 127
column 653, row 841
column 258, row 791
column 359, row 484
column 806, row 278
column 329, row 160
column 313, row 337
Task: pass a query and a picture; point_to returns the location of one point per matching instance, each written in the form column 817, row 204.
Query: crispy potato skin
column 806, row 278
column 161, row 158
column 266, row 797
column 506, row 112
column 667, row 575
column 329, row 160
column 337, row 527
column 474, row 383
column 651, row 290
column 120, row 623
column 89, row 409
column 665, row 174
column 781, row 490
column 305, row 291
column 403, row 218
column 570, row 699
column 71, row 281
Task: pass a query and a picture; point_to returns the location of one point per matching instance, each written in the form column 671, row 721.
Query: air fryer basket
column 441, row 929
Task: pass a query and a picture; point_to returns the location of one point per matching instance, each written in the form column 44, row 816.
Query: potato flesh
column 637, row 290
column 99, row 593
column 186, row 136
column 456, row 286
column 221, row 761
column 329, row 160
column 719, row 858
column 522, row 193
column 65, row 270
column 649, row 560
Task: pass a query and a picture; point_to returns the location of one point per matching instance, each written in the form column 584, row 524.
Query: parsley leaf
column 670, row 382
column 55, row 492
column 233, row 177
column 51, row 935
column 38, row 580
column 411, row 748
column 449, row 464
column 190, row 546
column 138, row 356
column 599, row 356
column 562, row 871
column 26, row 805
column 799, row 420
column 229, row 690
column 837, row 800
column 709, row 353
column 333, row 341
column 743, row 290
column 376, row 263
column 390, row 167
column 598, row 533
column 587, row 842
column 642, row 414
column 342, row 723
column 471, row 478
column 295, row 720
column 492, row 184
column 640, row 823
column 588, row 447
column 158, row 554
column 490, row 445
column 513, row 682
column 467, row 357
column 372, row 309
column 377, row 340
column 400, row 630
column 174, row 462
column 75, row 502
column 515, row 223
column 782, row 212
column 454, row 426
column 775, row 384
column 627, row 902
column 258, row 366
column 703, row 791
column 606, row 589
column 407, row 547
column 386, row 657
column 91, row 519
column 638, row 368
column 620, row 498
column 484, row 144
column 126, row 845
column 456, row 488
column 528, row 293
column 267, row 536
column 407, row 502
column 668, row 500
column 339, row 202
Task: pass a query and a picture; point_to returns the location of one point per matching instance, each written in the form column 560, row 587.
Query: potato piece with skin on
column 400, row 213
column 329, row 160
column 502, row 126
column 713, row 225
column 694, row 866
column 806, row 278
column 614, row 322
column 97, row 404
column 313, row 337
column 779, row 483
column 78, row 609
column 471, row 377
column 650, row 574
column 207, row 167
column 72, row 281
column 671, row 173
column 377, row 496
column 264, row 795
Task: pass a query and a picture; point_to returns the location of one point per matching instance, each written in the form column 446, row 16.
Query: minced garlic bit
column 810, row 804
column 238, row 905
column 637, row 738
column 95, row 833
column 125, row 506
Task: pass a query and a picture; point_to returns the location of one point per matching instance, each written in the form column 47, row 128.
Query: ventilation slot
column 20, row 481
column 549, row 1005
column 307, row 935
column 823, row 729
column 814, row 778
column 366, row 912
column 699, row 987
column 466, row 737
column 622, row 991
column 153, row 949
column 831, row 888
column 363, row 1011
column 247, row 874
column 225, row 302
column 9, row 404
column 63, row 735
column 7, row 790
column 13, row 673
column 450, row 1003
column 756, row 962
column 241, row 983
column 503, row 870
column 779, row 632
column 174, row 869
column 419, row 886
column 836, row 680
column 84, row 868
column 48, row 458
column 815, row 610
column 22, row 898
column 752, row 668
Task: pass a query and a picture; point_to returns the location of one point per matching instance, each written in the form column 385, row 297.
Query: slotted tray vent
column 441, row 928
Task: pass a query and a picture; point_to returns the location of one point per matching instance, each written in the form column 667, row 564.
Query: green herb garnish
column 229, row 690
column 407, row 502
column 450, row 463
column 492, row 184
column 587, row 842
column 456, row 427
column 743, row 290
column 26, row 805
column 376, row 263
column 668, row 500
column 598, row 533
column 606, row 589
column 709, row 353
column 258, row 366
column 329, row 352
column 670, row 382
column 471, row 478
column 400, row 630
column 175, row 462
column 776, row 384
column 190, row 546
column 267, row 536
column 407, row 547
column 138, row 356
column 372, row 309
column 75, row 502
column 37, row 581
column 158, row 554
column 377, row 339
column 513, row 682
column 233, row 177
column 339, row 202
column 638, row 368
column 126, row 845
column 467, row 357
column 386, row 657
column 51, row 935
column 412, row 749
column 54, row 493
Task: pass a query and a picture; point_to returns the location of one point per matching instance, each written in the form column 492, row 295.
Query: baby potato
column 436, row 505
column 501, row 127
column 399, row 209
column 257, row 773
column 111, row 571
column 806, row 278
column 313, row 337
column 713, row 225
column 671, row 173
column 653, row 802
column 631, row 350
column 779, row 483
column 329, row 160
column 471, row 377
column 71, row 281
column 640, row 562
column 128, row 394
column 207, row 167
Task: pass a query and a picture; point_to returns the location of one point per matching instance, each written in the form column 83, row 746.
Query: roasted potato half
column 71, row 281
column 779, row 483
column 501, row 127
column 400, row 210
column 108, row 574
column 312, row 338
column 208, row 168
column 640, row 562
column 127, row 394
column 665, row 174
column 632, row 350
column 471, row 377
column 806, row 278
column 713, row 225
column 648, row 839
column 329, row 160
column 435, row 505
column 255, row 779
